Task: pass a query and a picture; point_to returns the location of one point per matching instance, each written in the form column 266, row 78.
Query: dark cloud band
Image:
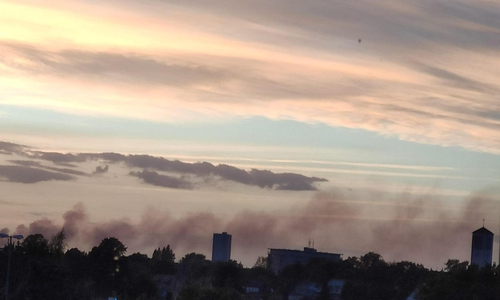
column 151, row 165
column 24, row 174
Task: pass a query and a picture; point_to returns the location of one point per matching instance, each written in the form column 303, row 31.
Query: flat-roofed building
column 280, row 258
column 221, row 247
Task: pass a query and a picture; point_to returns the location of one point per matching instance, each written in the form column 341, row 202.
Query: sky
column 362, row 126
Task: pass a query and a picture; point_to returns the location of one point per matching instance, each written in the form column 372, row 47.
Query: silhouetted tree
column 192, row 257
column 194, row 268
column 262, row 276
column 137, row 277
column 370, row 277
column 321, row 270
column 227, row 275
column 46, row 276
column 461, row 281
column 261, row 262
column 164, row 254
column 371, row 259
column 163, row 261
column 290, row 277
column 79, row 274
column 105, row 262
column 57, row 244
column 35, row 245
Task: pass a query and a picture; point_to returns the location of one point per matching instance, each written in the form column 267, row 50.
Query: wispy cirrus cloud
column 396, row 68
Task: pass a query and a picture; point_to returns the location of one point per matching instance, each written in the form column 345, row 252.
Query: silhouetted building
column 280, row 258
column 221, row 247
column 482, row 247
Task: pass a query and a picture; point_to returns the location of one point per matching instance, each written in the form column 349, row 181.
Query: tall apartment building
column 221, row 247
column 482, row 247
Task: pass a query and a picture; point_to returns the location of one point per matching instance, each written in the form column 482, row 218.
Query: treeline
column 45, row 269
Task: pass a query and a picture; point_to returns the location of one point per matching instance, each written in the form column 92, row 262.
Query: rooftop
column 483, row 230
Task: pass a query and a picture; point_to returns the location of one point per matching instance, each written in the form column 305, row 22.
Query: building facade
column 280, row 258
column 221, row 247
column 482, row 247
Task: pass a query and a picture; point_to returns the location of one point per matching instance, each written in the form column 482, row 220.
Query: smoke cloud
column 420, row 229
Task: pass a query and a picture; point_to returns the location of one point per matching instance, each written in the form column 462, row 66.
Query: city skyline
column 387, row 114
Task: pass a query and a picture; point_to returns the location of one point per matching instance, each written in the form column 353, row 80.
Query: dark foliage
column 43, row 269
column 462, row 281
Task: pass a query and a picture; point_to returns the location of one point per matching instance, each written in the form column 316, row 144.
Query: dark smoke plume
column 415, row 229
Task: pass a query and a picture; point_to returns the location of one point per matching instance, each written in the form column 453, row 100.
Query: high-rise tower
column 221, row 247
column 482, row 247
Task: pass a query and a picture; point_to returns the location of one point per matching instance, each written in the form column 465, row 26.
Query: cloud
column 361, row 91
column 56, row 157
column 67, row 171
column 458, row 81
column 106, row 156
column 30, row 163
column 401, row 24
column 154, row 178
column 100, row 170
column 282, row 60
column 10, row 148
column 284, row 181
column 131, row 68
column 24, row 174
column 261, row 178
column 411, row 228
column 180, row 71
column 296, row 186
column 26, row 163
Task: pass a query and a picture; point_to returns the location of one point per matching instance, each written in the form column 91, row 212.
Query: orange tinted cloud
column 425, row 73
